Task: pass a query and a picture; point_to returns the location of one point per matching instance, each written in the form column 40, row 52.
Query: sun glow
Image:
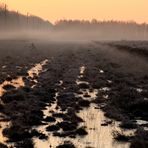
column 83, row 9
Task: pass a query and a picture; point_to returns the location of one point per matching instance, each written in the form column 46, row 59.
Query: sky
column 53, row 10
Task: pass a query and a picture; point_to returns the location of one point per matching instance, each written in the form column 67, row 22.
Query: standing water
column 98, row 136
column 17, row 83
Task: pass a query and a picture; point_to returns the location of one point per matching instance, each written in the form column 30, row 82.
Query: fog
column 82, row 33
column 14, row 25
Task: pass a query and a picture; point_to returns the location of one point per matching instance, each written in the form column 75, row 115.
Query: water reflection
column 3, row 124
column 37, row 69
column 98, row 136
column 17, row 83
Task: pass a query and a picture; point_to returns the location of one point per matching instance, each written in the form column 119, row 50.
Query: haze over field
column 13, row 23
column 77, row 20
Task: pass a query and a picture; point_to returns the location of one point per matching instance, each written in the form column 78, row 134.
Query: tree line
column 103, row 29
column 14, row 20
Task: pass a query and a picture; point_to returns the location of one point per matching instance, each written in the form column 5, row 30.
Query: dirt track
column 119, row 77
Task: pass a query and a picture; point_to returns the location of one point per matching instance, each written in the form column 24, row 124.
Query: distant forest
column 105, row 29
column 14, row 21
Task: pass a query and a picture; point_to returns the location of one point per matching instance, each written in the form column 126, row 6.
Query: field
column 74, row 94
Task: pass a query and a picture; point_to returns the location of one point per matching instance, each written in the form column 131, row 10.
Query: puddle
column 109, row 81
column 17, row 83
column 139, row 90
column 101, row 71
column 140, row 122
column 60, row 83
column 80, row 82
column 105, row 89
column 3, row 67
column 52, row 141
column 105, row 96
column 35, row 71
column 3, row 125
column 52, row 108
column 82, row 70
column 145, row 99
column 98, row 136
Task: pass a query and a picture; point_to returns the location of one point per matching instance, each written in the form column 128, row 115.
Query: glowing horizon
column 53, row 10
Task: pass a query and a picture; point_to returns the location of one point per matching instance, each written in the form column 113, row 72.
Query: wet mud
column 73, row 95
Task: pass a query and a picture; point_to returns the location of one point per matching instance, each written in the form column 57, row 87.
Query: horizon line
column 76, row 19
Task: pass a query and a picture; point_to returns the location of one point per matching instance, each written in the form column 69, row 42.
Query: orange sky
column 53, row 10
